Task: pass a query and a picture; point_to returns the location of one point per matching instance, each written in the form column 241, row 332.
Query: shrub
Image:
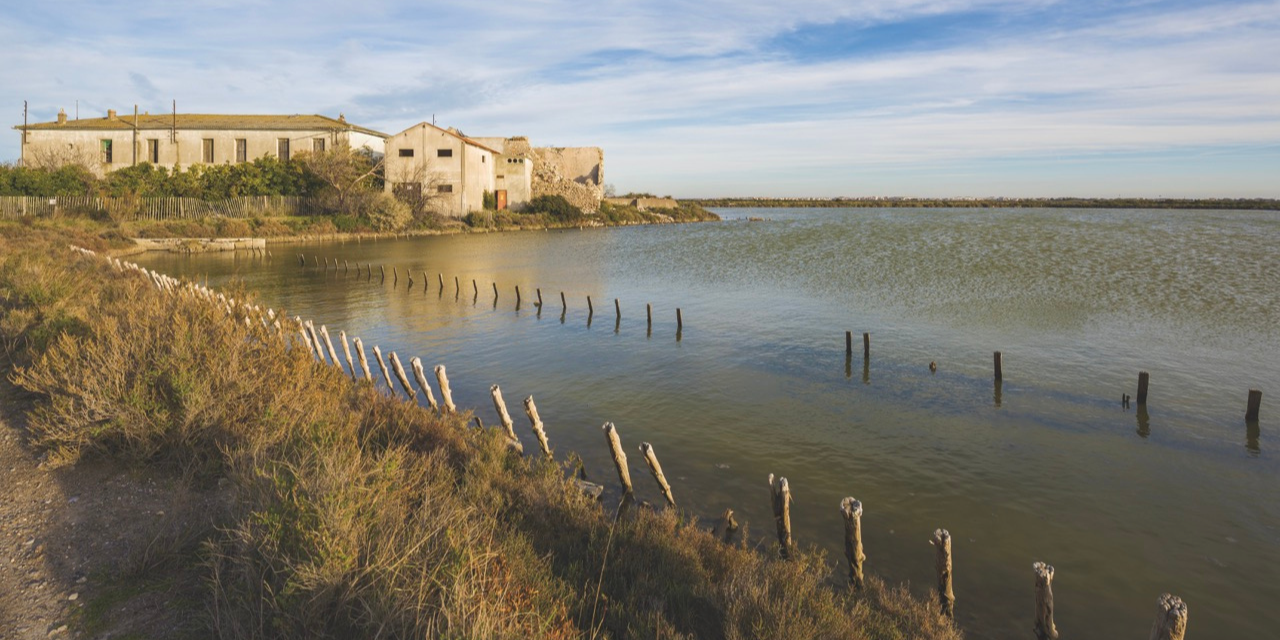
column 385, row 213
column 556, row 206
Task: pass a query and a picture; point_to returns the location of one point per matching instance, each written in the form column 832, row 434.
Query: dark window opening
column 242, row 150
column 153, row 151
column 406, row 153
column 282, row 148
column 207, row 150
column 106, row 151
column 444, row 153
column 445, row 188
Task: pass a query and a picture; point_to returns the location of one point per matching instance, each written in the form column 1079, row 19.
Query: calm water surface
column 1126, row 505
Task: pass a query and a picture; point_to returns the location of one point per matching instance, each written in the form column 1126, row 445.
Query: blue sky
column 718, row 97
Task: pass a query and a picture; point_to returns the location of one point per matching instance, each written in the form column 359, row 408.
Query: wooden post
column 1255, row 405
column 848, row 343
column 503, row 416
column 1045, row 630
column 619, row 457
column 395, row 273
column 475, row 287
column 315, row 340
column 346, row 349
column 655, row 468
column 328, row 344
column 866, row 345
column 416, row 363
column 648, row 312
column 446, row 396
column 1144, row 379
column 364, row 364
column 591, row 310
column 382, row 364
column 780, row 494
column 495, row 292
column 302, row 262
column 617, row 307
column 942, row 558
column 539, row 297
column 404, row 379
column 517, row 295
column 725, row 527
column 852, row 511
column 564, row 306
column 306, row 339
column 1171, row 618
column 535, row 421
column 345, row 266
column 679, row 320
column 999, row 367
column 383, row 267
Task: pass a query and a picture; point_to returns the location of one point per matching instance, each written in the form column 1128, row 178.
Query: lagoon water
column 1126, row 504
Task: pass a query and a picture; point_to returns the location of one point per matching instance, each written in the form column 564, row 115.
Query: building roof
column 203, row 121
column 456, row 134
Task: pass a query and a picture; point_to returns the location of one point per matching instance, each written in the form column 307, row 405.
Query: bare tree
column 345, row 171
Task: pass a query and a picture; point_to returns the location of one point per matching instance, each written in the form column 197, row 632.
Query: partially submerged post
column 495, row 292
column 416, row 363
column 395, row 272
column 617, row 307
column 446, row 396
column 848, row 343
column 535, row 422
column 457, row 287
column 619, row 457
column 503, row 416
column 404, row 379
column 999, row 367
column 780, row 498
column 866, row 345
column 1144, row 379
column 382, row 364
column 539, row 297
column 1171, row 618
column 346, row 349
column 364, row 364
column 440, row 277
column 851, row 509
column 679, row 320
column 725, row 527
column 648, row 312
column 564, row 306
column 383, row 268
column 651, row 459
column 942, row 559
column 591, row 310
column 1254, row 407
column 328, row 344
column 1045, row 629
column 517, row 296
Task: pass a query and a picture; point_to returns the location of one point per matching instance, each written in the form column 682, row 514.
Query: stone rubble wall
column 575, row 173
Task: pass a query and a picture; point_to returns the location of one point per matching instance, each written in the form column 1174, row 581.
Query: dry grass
column 357, row 515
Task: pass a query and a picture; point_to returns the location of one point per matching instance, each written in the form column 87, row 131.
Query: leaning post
column 780, row 494
column 942, row 558
column 851, row 509
column 1045, row 629
column 619, row 457
column 655, row 468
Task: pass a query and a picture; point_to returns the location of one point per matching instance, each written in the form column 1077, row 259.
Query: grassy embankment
column 997, row 203
column 357, row 515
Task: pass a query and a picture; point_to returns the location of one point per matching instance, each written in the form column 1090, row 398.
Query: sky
column 705, row 98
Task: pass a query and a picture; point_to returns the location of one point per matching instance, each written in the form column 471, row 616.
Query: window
column 444, row 153
column 445, row 188
column 481, row 159
column 282, row 148
column 153, row 151
column 317, row 145
column 242, row 150
column 206, row 151
column 106, row 152
column 406, row 153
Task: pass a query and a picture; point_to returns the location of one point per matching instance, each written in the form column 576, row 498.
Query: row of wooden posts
column 1253, row 404
column 367, row 268
column 1171, row 611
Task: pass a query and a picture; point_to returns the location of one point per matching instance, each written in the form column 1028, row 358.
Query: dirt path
column 95, row 551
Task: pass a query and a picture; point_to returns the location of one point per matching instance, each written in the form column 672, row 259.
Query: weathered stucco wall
column 577, row 173
column 453, row 172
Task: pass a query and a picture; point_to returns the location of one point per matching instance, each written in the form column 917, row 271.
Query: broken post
column 328, row 344
column 1255, row 405
column 564, row 306
column 866, row 345
column 535, row 421
column 591, row 310
column 679, row 320
column 851, row 509
column 346, row 349
column 1144, row 379
column 1171, row 618
column 383, row 267
column 315, row 340
column 617, row 307
column 999, row 367
column 848, row 343
column 539, row 297
column 517, row 295
column 364, row 364
column 725, row 527
column 440, row 278
column 306, row 339
column 475, row 288
column 942, row 558
column 495, row 292
column 503, row 416
column 382, row 364
column 395, row 273
column 1045, row 630
column 416, row 363
column 457, row 286
column 404, row 379
column 780, row 497
column 446, row 396
column 648, row 312
column 619, row 457
column 651, row 459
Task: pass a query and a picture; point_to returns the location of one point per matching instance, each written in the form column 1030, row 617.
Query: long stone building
column 184, row 139
column 452, row 171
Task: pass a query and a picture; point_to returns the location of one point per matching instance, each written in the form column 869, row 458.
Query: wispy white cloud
column 677, row 89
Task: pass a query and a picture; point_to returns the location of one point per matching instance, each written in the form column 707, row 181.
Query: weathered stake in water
column 780, row 498
column 382, row 364
column 1255, row 405
column 505, row 418
column 942, row 559
column 535, row 422
column 446, row 396
column 364, row 364
column 999, row 367
column 851, row 509
column 1045, row 629
column 346, row 349
column 404, row 380
column 619, row 457
column 1171, row 618
column 655, row 468
column 421, row 377
column 1144, row 379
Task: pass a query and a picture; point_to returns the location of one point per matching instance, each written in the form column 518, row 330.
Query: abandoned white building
column 183, row 139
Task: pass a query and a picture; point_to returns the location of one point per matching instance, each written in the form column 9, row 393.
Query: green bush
column 555, row 206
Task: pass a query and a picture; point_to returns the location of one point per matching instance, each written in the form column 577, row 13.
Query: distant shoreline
column 1244, row 204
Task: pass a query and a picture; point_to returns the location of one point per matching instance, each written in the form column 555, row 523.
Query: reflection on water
column 1044, row 465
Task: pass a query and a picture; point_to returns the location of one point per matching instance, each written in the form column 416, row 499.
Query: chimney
column 342, row 117
column 111, row 114
column 62, row 116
